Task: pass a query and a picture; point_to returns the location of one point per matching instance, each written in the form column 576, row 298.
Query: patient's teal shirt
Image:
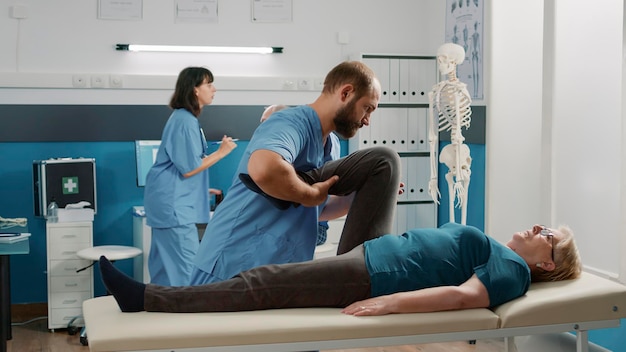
column 449, row 255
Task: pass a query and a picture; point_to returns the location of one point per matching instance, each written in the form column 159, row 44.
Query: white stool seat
column 110, row 252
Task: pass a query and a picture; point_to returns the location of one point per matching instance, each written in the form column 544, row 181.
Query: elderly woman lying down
column 423, row 270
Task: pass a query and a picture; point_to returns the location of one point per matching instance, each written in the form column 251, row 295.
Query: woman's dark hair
column 185, row 95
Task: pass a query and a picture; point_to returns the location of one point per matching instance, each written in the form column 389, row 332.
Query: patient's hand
column 371, row 306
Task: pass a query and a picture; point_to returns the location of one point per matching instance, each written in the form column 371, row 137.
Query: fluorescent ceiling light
column 200, row 49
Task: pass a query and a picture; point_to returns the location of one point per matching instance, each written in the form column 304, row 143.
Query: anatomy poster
column 464, row 26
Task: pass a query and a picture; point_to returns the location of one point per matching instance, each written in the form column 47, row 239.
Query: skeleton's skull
column 449, row 55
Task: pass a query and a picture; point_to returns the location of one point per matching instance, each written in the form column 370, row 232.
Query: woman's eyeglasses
column 548, row 234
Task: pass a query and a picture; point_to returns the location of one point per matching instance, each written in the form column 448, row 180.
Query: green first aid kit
column 64, row 180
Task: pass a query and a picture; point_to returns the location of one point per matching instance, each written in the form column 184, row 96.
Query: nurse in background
column 176, row 195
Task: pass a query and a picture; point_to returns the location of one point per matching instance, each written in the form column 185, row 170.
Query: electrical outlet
column 98, row 81
column 289, row 85
column 79, row 81
column 116, row 81
column 305, row 83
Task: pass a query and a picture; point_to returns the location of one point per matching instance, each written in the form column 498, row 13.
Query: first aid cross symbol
column 70, row 185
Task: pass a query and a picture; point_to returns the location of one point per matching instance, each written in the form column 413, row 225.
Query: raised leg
column 374, row 175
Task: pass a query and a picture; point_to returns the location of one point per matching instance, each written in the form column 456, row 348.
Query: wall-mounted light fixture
column 200, row 49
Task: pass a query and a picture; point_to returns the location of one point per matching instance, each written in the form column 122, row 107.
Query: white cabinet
column 142, row 237
column 401, row 123
column 67, row 288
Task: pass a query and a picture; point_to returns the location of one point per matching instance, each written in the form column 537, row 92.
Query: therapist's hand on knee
column 277, row 177
column 319, row 192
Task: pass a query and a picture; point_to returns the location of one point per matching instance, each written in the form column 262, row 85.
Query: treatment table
column 587, row 303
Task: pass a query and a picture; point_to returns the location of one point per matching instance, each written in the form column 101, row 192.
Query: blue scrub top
column 170, row 199
column 246, row 230
column 450, row 255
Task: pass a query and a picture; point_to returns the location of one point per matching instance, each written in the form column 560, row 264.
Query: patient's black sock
column 127, row 292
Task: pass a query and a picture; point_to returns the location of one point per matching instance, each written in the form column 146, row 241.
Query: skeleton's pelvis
column 448, row 156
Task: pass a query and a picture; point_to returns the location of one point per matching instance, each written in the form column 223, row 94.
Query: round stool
column 112, row 253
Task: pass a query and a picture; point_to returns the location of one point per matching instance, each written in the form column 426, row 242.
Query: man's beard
column 344, row 126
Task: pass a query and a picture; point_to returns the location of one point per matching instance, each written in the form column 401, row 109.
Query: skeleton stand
column 451, row 101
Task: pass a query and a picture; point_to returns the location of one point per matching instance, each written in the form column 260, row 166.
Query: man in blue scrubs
column 284, row 164
column 332, row 151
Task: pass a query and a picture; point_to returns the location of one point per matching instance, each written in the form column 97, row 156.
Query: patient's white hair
column 270, row 110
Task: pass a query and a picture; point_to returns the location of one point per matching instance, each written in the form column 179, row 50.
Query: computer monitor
column 145, row 155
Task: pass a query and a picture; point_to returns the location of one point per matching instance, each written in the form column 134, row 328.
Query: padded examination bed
column 587, row 303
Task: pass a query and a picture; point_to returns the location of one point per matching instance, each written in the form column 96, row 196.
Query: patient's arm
column 278, row 178
column 470, row 294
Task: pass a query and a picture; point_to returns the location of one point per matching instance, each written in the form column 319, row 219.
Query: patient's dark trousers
column 327, row 282
column 374, row 176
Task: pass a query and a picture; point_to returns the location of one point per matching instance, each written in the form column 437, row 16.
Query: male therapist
column 282, row 185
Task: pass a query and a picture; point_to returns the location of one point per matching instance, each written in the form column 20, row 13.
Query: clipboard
column 16, row 238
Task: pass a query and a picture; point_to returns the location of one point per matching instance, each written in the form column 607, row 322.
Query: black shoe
column 278, row 203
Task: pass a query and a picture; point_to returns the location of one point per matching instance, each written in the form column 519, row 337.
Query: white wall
column 57, row 41
column 555, row 148
column 587, row 127
column 623, row 157
column 555, row 135
column 513, row 152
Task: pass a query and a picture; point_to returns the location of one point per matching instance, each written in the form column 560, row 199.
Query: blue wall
column 611, row 339
column 117, row 193
column 475, row 195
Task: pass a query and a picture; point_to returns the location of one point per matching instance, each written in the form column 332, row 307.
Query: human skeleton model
column 450, row 100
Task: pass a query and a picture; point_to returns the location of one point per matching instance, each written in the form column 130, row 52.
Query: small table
column 8, row 246
column 112, row 253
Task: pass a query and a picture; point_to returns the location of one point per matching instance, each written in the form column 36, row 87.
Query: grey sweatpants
column 327, row 282
column 374, row 174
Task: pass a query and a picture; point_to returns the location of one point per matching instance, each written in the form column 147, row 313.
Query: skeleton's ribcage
column 446, row 105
